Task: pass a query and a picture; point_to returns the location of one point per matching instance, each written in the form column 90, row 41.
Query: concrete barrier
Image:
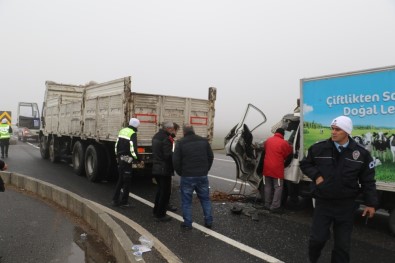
column 111, row 233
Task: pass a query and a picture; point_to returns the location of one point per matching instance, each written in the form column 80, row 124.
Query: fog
column 252, row 51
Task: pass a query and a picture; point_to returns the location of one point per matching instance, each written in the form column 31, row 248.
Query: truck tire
column 44, row 147
column 53, row 150
column 111, row 166
column 391, row 221
column 94, row 162
column 78, row 158
column 24, row 139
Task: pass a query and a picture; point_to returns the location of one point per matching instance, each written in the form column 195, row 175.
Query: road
column 33, row 230
column 234, row 238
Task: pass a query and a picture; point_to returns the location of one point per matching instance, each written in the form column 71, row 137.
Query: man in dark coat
column 337, row 168
column 3, row 165
column 192, row 159
column 162, row 169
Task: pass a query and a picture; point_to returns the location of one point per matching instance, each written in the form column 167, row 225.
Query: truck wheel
column 53, row 150
column 78, row 158
column 94, row 163
column 24, row 139
column 391, row 220
column 44, row 151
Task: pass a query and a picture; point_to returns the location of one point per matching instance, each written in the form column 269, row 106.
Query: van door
column 240, row 145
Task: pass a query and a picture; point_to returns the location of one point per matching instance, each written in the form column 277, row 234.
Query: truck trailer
column 367, row 97
column 80, row 123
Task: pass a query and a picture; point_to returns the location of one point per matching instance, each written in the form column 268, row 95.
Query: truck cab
column 28, row 121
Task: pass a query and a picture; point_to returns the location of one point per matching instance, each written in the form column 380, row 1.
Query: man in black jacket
column 3, row 165
column 162, row 169
column 192, row 159
column 336, row 167
column 127, row 152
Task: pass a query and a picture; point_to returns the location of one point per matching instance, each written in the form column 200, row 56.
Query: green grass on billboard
column 384, row 172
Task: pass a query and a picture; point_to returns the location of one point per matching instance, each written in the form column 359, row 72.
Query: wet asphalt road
column 35, row 231
column 281, row 236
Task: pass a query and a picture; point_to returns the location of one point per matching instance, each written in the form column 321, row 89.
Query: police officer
column 5, row 135
column 126, row 152
column 336, row 167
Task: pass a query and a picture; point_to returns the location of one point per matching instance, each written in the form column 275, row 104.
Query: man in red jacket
column 276, row 151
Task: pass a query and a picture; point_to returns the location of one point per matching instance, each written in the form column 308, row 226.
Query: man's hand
column 140, row 164
column 319, row 180
column 5, row 167
column 369, row 211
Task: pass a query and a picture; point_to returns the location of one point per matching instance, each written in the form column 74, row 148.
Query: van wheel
column 54, row 150
column 78, row 158
column 94, row 163
column 44, row 151
column 391, row 220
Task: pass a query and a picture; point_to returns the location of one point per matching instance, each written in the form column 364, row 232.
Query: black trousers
column 162, row 197
column 336, row 213
column 124, row 182
column 4, row 143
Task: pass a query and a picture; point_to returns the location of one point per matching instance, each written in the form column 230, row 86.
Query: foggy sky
column 252, row 51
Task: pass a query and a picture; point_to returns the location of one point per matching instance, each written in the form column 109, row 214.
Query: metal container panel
column 104, row 113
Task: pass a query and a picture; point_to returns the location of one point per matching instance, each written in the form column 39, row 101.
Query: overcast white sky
column 253, row 51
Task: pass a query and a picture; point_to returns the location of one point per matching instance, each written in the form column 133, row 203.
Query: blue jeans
column 199, row 184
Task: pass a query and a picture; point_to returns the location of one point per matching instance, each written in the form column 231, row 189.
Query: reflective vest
column 4, row 131
column 126, row 133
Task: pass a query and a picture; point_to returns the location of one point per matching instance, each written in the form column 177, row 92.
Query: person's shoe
column 115, row 203
column 124, row 204
column 165, row 218
column 185, row 227
column 171, row 208
column 208, row 225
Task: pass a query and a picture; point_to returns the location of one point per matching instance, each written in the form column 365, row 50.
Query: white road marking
column 236, row 244
column 224, row 160
column 31, row 144
column 229, row 180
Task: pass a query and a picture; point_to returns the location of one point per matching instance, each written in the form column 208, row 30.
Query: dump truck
column 367, row 97
column 80, row 123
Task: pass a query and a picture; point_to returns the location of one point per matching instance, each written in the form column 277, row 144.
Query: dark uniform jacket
column 123, row 145
column 345, row 174
column 162, row 151
column 192, row 156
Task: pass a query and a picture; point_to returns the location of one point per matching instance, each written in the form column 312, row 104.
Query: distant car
column 25, row 134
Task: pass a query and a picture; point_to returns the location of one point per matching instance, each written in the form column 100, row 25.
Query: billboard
column 368, row 98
